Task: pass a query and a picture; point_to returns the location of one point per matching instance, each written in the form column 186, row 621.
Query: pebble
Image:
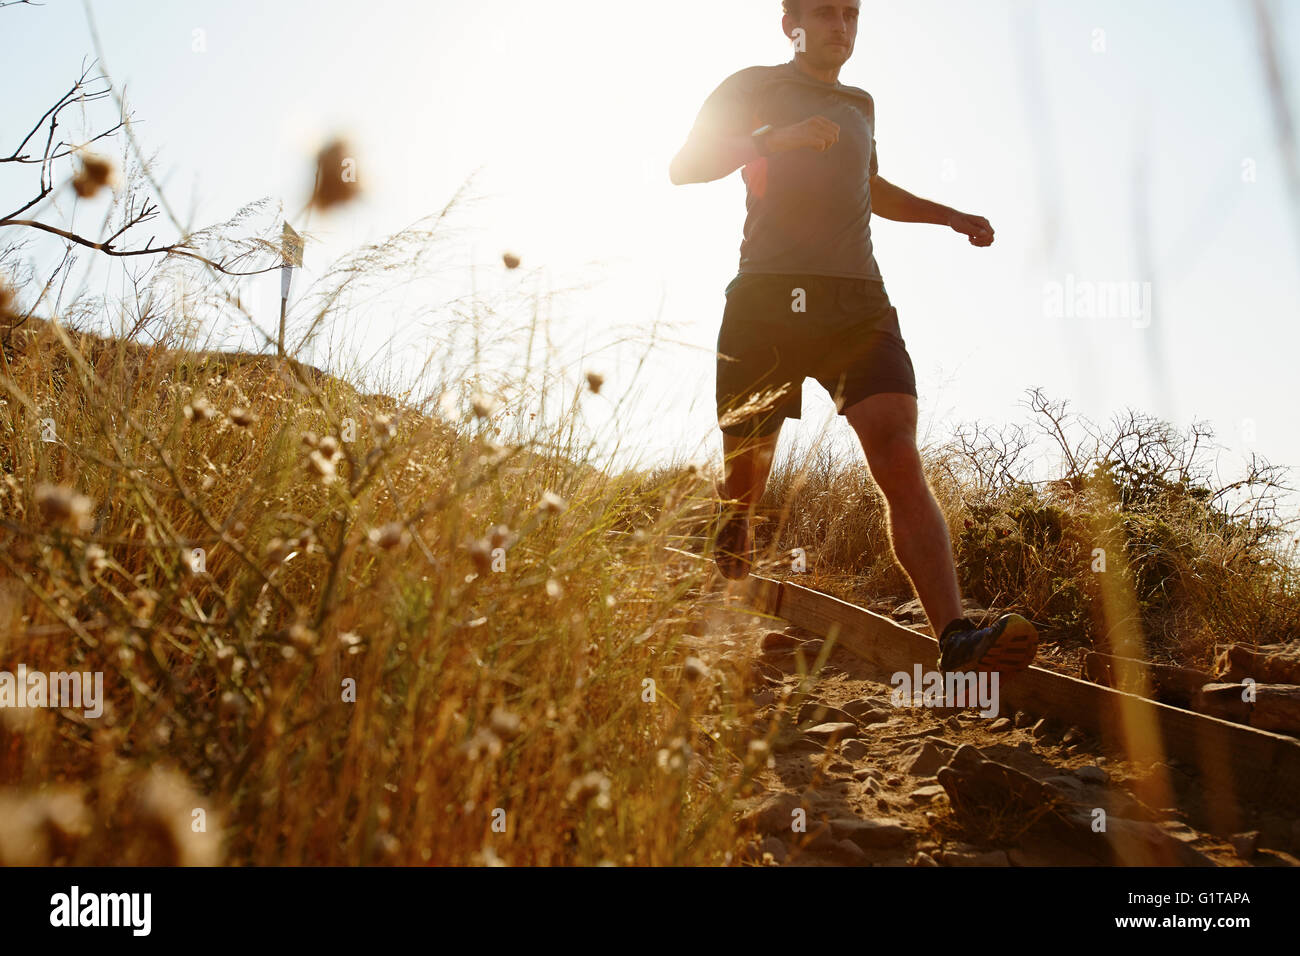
column 854, row 749
column 834, row 730
column 1093, row 774
column 929, row 760
column 926, row 794
column 871, row 834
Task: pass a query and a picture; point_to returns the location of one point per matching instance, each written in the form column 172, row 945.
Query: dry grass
column 419, row 645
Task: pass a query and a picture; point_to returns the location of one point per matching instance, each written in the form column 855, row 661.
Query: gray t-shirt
column 808, row 212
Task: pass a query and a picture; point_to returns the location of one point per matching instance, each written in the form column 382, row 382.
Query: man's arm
column 893, row 202
column 708, row 156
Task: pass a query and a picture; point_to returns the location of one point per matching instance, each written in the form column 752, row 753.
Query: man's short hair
column 791, row 7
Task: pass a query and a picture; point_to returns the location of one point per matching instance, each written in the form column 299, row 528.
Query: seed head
column 591, row 787
column 65, row 507
column 321, row 466
column 594, row 381
column 390, row 536
column 551, row 503
column 336, row 176
column 96, row 172
column 200, row 410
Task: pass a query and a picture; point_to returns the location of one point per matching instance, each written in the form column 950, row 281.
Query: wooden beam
column 1234, row 760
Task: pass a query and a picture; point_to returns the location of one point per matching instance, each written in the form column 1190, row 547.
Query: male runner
column 809, row 300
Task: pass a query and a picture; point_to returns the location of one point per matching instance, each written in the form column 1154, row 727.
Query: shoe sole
column 1013, row 650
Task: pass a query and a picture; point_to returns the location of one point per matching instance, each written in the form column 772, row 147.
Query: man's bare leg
column 747, row 463
column 886, row 426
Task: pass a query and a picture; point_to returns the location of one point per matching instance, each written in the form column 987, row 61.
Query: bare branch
column 175, row 249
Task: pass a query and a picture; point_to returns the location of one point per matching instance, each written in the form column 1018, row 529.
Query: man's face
column 830, row 30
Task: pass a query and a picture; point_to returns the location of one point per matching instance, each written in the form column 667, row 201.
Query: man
column 809, row 300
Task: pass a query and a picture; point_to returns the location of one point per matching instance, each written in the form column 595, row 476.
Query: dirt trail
column 856, row 780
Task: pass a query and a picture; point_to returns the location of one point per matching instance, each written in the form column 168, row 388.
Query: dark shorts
column 847, row 338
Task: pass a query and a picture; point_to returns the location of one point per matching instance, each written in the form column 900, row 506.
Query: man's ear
column 788, row 25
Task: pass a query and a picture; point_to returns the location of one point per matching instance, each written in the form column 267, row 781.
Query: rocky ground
column 855, row 781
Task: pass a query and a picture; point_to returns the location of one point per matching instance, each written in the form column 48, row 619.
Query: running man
column 809, row 301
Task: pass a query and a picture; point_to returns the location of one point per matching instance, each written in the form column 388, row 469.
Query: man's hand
column 817, row 133
column 976, row 228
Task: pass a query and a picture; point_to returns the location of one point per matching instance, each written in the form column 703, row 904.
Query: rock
column 912, row 611
column 765, row 698
column 924, row 859
column 839, row 766
column 872, row 785
column 1037, row 849
column 1073, row 736
column 1225, row 701
column 894, row 780
column 1093, row 774
column 1265, row 664
column 1023, row 719
column 1179, row 830
column 831, row 732
column 1277, row 708
column 866, row 711
column 1000, row 726
column 775, row 847
column 967, row 755
column 777, row 641
column 785, row 745
column 775, row 814
column 1245, row 843
column 851, row 854
column 866, row 773
column 1069, row 784
column 929, row 760
column 820, row 712
column 761, row 672
column 821, row 838
column 925, row 794
column 1042, row 730
column 980, row 789
column 1138, row 843
column 854, row 749
column 874, row 834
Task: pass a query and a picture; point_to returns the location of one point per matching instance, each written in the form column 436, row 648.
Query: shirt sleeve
column 729, row 109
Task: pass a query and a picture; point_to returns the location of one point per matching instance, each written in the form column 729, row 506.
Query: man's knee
column 895, row 462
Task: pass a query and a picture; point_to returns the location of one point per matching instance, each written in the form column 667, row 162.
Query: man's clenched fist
column 817, row 133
